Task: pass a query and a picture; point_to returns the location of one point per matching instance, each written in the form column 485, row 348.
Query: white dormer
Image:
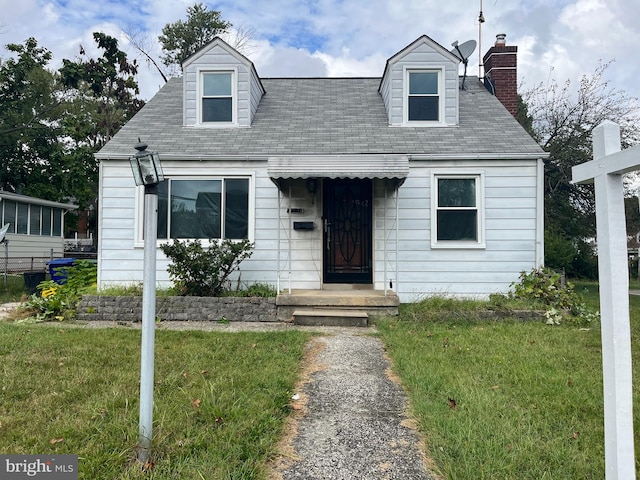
column 419, row 86
column 221, row 88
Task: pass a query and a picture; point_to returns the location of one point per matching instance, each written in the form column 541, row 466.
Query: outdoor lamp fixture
column 146, row 166
column 147, row 171
column 312, row 185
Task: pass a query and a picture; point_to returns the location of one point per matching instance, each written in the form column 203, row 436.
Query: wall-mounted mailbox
column 303, row 225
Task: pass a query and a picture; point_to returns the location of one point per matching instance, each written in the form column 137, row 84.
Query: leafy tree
column 562, row 121
column 105, row 91
column 100, row 96
column 29, row 113
column 182, row 39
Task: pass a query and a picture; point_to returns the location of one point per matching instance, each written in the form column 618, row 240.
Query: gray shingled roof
column 323, row 116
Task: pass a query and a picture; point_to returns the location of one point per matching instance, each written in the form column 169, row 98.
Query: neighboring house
column 404, row 182
column 35, row 231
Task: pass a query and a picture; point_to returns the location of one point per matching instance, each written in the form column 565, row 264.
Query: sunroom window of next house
column 217, row 97
column 423, row 96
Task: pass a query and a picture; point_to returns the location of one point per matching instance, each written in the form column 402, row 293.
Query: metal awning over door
column 390, row 171
column 395, row 167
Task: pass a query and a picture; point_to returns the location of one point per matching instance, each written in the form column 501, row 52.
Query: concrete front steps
column 331, row 318
column 338, row 306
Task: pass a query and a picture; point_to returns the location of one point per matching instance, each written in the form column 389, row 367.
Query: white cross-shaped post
column 605, row 171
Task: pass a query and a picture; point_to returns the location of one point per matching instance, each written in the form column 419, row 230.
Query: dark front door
column 347, row 231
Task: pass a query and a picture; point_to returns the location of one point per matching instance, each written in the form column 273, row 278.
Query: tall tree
column 103, row 91
column 29, row 113
column 182, row 39
column 562, row 118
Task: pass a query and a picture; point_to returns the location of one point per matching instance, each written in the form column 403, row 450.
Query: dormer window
column 217, row 97
column 423, row 96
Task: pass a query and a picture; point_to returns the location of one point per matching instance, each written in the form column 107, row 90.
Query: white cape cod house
column 403, row 183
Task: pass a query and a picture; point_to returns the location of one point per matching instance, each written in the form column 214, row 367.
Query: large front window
column 204, row 208
column 423, row 102
column 217, row 97
column 457, row 210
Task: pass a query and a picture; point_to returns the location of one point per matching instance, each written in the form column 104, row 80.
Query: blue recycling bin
column 58, row 269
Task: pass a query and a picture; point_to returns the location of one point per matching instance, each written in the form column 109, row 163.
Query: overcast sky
column 561, row 39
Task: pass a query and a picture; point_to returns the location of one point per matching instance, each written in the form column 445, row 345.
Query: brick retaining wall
column 129, row 309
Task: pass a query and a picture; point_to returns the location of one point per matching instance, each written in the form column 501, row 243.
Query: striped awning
column 339, row 166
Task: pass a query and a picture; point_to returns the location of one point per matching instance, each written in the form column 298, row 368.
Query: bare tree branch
column 144, row 44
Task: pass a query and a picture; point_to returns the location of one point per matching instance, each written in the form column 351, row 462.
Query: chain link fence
column 17, row 265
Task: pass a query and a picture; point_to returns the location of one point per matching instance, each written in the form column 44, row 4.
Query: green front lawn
column 494, row 400
column 220, row 399
column 507, row 399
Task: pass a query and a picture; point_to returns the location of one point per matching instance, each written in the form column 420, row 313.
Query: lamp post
column 147, row 171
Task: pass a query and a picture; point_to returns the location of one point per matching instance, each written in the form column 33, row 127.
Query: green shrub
column 204, row 272
column 549, row 287
column 58, row 302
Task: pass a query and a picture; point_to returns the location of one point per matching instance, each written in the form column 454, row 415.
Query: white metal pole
column 278, row 240
column 385, row 237
column 290, row 228
column 397, row 238
column 148, row 322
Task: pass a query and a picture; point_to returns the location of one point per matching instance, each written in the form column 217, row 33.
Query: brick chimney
column 501, row 75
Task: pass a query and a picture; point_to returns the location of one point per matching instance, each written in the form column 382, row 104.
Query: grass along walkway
column 220, row 399
column 508, row 399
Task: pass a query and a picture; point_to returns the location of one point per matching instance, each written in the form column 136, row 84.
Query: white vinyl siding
column 393, row 87
column 510, row 229
column 246, row 88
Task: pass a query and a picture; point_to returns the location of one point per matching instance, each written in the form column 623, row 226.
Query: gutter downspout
column 540, row 214
column 278, row 238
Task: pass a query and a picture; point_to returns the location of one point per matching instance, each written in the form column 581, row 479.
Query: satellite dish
column 463, row 52
column 3, row 232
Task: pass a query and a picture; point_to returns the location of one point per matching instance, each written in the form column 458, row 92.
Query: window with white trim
column 423, row 95
column 211, row 208
column 458, row 215
column 217, row 97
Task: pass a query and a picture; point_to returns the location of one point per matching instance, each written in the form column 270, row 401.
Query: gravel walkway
column 354, row 424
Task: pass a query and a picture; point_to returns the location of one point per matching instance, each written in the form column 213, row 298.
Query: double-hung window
column 217, row 97
column 212, row 208
column 423, row 95
column 457, row 214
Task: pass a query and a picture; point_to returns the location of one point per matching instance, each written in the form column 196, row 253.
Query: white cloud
column 355, row 37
